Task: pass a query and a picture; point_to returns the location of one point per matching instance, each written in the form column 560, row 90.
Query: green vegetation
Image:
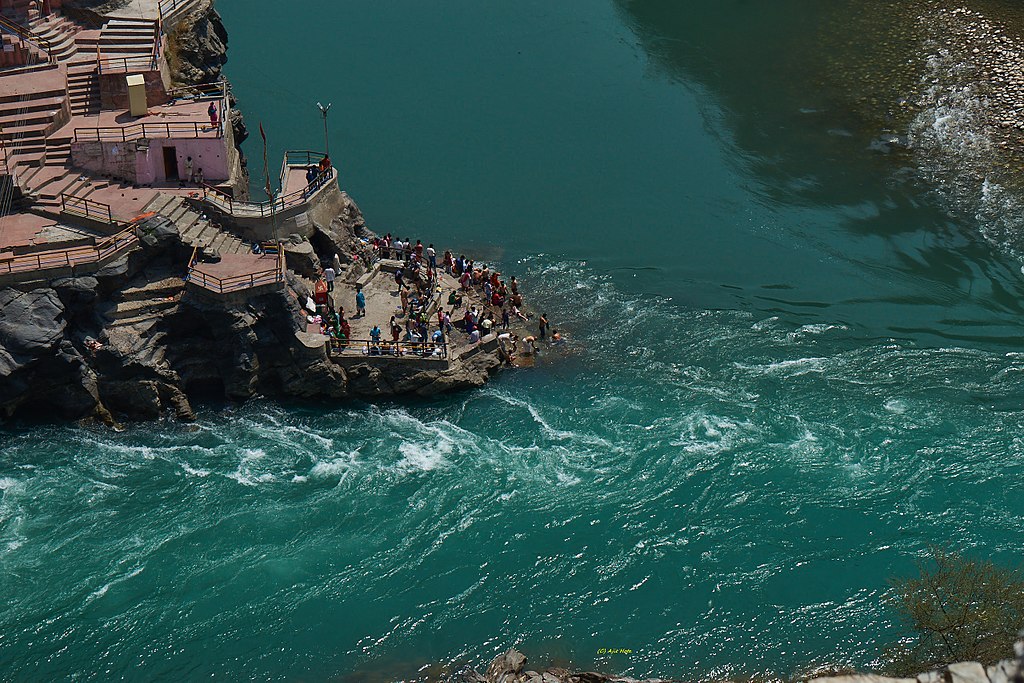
column 959, row 609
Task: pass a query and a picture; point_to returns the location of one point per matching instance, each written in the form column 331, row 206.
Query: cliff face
column 130, row 343
column 199, row 47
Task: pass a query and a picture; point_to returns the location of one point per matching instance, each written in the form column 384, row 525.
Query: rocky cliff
column 131, row 342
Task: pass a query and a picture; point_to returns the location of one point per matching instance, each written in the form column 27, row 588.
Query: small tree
column 959, row 610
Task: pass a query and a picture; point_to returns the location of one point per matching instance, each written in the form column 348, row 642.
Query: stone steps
column 195, row 229
column 154, row 291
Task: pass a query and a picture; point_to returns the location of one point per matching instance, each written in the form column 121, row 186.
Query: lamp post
column 327, row 140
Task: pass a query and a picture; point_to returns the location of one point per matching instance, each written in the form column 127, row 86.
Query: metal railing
column 166, row 7
column 392, row 349
column 8, row 26
column 227, row 204
column 127, row 64
column 136, row 63
column 87, row 208
column 137, row 131
column 71, row 257
column 217, row 90
column 236, row 283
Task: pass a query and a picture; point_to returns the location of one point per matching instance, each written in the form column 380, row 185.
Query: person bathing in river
column 543, row 324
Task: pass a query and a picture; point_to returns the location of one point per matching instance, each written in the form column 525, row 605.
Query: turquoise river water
column 791, row 369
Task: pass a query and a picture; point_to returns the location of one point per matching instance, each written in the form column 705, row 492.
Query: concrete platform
column 235, row 272
column 23, row 230
column 178, row 113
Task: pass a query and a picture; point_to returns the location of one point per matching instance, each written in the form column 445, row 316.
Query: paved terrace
column 180, row 118
column 237, row 272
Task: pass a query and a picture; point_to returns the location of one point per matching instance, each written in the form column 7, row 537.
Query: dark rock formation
column 199, row 47
column 67, row 351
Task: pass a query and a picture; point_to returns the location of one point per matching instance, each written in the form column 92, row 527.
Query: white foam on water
column 246, row 474
column 790, row 368
column 335, row 467
column 896, row 405
column 424, row 457
column 816, row 329
column 102, row 590
column 194, row 471
column 565, row 479
column 550, row 430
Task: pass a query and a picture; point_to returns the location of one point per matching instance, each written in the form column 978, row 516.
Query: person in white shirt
column 329, row 276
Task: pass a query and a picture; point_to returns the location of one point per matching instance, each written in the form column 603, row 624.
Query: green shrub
column 958, row 609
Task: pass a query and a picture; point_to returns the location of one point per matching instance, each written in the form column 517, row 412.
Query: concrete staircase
column 84, row 88
column 47, row 183
column 60, row 32
column 25, row 117
column 119, row 40
column 195, row 228
column 19, row 11
column 141, row 306
column 20, row 54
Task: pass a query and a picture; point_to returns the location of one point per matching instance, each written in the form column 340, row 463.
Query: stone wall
column 327, row 203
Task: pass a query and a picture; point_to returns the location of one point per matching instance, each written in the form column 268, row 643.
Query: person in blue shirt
column 360, row 302
column 375, row 341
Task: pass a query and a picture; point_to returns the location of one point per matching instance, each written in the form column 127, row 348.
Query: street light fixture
column 323, row 112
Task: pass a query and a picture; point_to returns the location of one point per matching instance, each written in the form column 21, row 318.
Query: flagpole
column 270, row 194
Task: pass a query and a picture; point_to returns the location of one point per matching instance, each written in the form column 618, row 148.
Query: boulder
column 967, row 672
column 505, row 666
column 300, row 257
column 30, row 322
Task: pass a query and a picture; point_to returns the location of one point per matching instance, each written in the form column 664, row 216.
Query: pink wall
column 209, row 154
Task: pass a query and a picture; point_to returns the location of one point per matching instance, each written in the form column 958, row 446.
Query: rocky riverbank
column 129, row 342
column 133, row 342
column 511, row 667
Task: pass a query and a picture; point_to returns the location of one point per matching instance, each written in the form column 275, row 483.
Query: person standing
column 212, row 111
column 432, row 257
column 405, row 300
column 375, row 340
column 329, row 276
column 360, row 302
column 189, row 174
column 399, row 281
column 543, row 324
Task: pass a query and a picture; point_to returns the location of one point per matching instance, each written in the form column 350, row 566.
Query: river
column 792, row 366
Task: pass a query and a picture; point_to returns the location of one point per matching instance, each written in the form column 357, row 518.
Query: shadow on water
column 815, row 100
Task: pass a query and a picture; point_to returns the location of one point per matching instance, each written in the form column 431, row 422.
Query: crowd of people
column 480, row 304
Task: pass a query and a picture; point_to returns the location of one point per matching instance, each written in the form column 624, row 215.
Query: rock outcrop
column 67, row 351
column 510, row 667
column 199, row 45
